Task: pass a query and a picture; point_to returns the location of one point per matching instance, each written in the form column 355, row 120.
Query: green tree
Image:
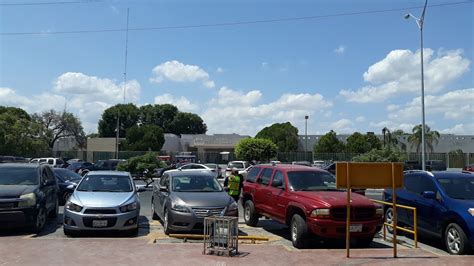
column 144, row 137
column 142, row 167
column 19, row 134
column 159, row 114
column 431, row 138
column 284, row 135
column 357, row 143
column 56, row 125
column 128, row 114
column 381, row 155
column 187, row 123
column 329, row 144
column 256, row 149
column 392, row 139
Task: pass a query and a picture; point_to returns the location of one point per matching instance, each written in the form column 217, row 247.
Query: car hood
column 15, row 191
column 101, row 199
column 333, row 198
column 202, row 199
column 464, row 203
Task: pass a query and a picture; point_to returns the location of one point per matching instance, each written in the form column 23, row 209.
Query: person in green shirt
column 234, row 183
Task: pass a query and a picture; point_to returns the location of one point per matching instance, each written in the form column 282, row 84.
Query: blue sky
column 347, row 72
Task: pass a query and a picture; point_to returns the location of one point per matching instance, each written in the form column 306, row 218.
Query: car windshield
column 198, row 183
column 106, row 183
column 18, row 176
column 236, row 165
column 458, row 188
column 311, row 181
column 67, row 175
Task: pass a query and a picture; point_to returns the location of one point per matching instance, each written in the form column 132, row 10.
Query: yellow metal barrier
column 415, row 226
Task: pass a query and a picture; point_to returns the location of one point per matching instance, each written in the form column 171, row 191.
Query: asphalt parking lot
column 106, row 248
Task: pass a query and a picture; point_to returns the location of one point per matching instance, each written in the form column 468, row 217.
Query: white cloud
column 182, row 103
column 378, row 126
column 360, row 119
column 235, row 111
column 392, row 107
column 399, row 73
column 179, row 72
column 340, row 50
column 343, row 126
column 460, row 129
column 220, row 70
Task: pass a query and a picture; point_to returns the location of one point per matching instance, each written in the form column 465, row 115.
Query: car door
column 278, row 199
column 428, row 209
column 49, row 187
column 162, row 195
column 263, row 193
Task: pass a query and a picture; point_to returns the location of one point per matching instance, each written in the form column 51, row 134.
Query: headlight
column 471, row 211
column 321, row 213
column 179, row 208
column 233, row 206
column 73, row 207
column 28, row 200
column 129, row 207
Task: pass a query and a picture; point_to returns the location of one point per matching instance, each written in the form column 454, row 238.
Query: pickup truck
column 306, row 199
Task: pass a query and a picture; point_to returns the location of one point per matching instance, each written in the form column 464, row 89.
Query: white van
column 51, row 161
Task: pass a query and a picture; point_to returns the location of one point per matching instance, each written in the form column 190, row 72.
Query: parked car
column 331, row 168
column 444, row 202
column 54, row 162
column 12, row 159
column 77, row 166
column 28, row 195
column 435, row 165
column 183, row 198
column 216, row 168
column 103, row 200
column 67, row 182
column 319, row 164
column 468, row 168
column 239, row 165
column 306, row 199
column 100, row 165
column 304, row 163
column 411, row 165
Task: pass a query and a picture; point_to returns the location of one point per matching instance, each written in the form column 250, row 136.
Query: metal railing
column 415, row 226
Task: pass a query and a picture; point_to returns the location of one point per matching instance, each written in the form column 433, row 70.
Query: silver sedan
column 103, row 200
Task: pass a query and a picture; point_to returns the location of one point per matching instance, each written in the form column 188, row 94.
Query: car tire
column 166, row 228
column 40, row 220
column 389, row 219
column 298, row 231
column 54, row 212
column 250, row 217
column 154, row 216
column 456, row 240
column 69, row 232
column 66, row 195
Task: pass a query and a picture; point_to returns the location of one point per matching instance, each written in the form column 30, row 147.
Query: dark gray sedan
column 183, row 198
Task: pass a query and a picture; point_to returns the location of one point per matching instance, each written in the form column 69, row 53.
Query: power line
column 226, row 24
column 49, row 3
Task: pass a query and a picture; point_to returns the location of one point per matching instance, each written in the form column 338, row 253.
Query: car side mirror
column 163, row 188
column 140, row 188
column 277, row 183
column 71, row 187
column 429, row 195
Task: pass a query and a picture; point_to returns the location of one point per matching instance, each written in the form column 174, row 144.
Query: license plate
column 355, row 228
column 99, row 223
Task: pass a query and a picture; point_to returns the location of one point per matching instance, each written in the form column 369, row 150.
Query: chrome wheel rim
column 454, row 240
column 165, row 222
column 389, row 219
column 294, row 232
column 247, row 213
column 40, row 218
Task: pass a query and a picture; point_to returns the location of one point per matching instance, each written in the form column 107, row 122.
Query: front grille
column 8, row 205
column 357, row 214
column 111, row 221
column 205, row 212
column 100, row 211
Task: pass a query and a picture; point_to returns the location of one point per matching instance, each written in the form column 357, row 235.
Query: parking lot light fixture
column 420, row 22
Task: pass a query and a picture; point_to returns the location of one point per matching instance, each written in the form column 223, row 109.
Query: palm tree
column 391, row 139
column 431, row 137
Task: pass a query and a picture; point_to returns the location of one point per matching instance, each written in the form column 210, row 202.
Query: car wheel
column 154, row 216
column 389, row 219
column 69, row 232
column 166, row 228
column 40, row 220
column 299, row 231
column 250, row 217
column 54, row 212
column 455, row 239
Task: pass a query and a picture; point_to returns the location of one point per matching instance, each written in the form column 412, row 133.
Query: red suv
column 307, row 200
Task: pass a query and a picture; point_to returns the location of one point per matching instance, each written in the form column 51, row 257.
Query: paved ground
column 19, row 247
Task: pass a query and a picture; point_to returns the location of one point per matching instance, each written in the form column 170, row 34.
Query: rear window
column 252, row 175
column 18, row 176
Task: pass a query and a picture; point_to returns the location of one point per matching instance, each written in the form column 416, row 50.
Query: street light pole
column 306, row 136
column 419, row 22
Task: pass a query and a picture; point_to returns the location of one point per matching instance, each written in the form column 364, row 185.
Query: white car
column 239, row 165
column 197, row 166
column 51, row 161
